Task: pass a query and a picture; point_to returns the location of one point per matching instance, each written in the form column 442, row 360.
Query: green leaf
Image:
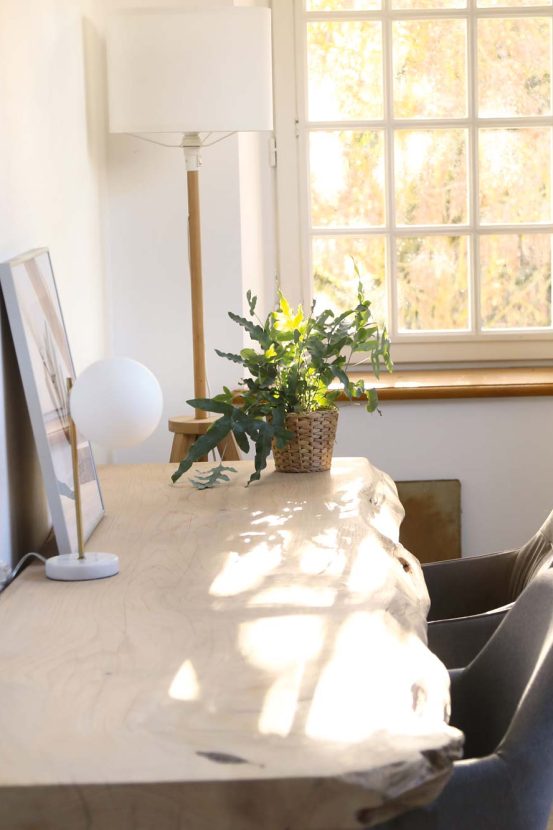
column 323, row 317
column 332, row 397
column 284, row 305
column 287, row 320
column 241, row 437
column 211, row 405
column 314, row 346
column 204, row 444
column 204, row 481
column 262, row 451
column 358, row 389
column 252, row 302
column 372, row 400
column 236, row 358
column 226, row 396
column 342, row 377
column 255, row 331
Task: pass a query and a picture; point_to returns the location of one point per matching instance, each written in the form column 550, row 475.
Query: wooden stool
column 188, row 429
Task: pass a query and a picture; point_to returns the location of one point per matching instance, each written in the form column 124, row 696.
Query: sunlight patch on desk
column 322, row 554
column 348, row 504
column 366, row 642
column 385, row 521
column 185, row 684
column 370, row 567
column 272, row 520
column 246, row 571
column 277, row 643
column 295, row 595
column 248, row 535
column 281, row 703
column 297, row 509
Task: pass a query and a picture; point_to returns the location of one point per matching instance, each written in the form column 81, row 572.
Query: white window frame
column 292, row 209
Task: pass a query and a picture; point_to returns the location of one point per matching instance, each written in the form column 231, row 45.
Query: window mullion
column 432, row 230
column 473, row 184
column 391, row 248
column 302, row 137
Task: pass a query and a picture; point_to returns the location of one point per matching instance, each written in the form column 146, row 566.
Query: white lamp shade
column 190, row 71
column 116, row 402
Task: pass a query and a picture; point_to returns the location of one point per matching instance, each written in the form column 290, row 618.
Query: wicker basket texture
column 310, row 451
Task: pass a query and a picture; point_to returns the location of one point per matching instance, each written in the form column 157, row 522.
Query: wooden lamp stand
column 187, row 429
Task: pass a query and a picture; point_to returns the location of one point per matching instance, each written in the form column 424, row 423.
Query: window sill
column 460, row 383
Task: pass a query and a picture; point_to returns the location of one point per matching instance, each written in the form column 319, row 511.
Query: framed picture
column 45, row 364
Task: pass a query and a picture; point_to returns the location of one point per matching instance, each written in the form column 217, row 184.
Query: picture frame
column 45, row 363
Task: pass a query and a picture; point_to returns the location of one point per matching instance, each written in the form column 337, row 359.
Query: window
column 421, row 158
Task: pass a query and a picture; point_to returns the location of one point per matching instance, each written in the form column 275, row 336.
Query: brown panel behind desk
column 432, row 525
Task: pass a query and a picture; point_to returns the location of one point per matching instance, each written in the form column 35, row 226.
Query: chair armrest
column 457, row 642
column 462, row 587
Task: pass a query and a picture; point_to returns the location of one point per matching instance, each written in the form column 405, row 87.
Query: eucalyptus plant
column 297, row 363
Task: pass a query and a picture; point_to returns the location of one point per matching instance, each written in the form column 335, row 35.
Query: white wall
column 51, row 150
column 501, row 449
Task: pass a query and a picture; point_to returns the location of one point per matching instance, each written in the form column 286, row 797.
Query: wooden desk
column 259, row 662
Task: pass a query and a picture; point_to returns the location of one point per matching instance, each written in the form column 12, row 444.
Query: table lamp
column 116, row 403
column 197, row 73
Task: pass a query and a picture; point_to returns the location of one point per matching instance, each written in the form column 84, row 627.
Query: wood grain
column 500, row 382
column 429, row 384
column 196, row 288
column 187, row 430
column 260, row 661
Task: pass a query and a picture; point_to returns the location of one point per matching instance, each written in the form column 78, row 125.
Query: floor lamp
column 199, row 74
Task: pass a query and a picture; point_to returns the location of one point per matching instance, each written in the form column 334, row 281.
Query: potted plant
column 296, row 369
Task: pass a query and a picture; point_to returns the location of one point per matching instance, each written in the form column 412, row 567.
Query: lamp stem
column 76, row 481
column 196, row 288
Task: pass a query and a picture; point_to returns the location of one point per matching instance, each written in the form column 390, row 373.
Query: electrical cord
column 7, row 576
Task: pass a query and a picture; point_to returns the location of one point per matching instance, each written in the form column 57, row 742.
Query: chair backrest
column 533, row 557
column 503, row 701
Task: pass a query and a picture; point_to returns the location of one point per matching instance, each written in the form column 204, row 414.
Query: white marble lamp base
column 69, row 568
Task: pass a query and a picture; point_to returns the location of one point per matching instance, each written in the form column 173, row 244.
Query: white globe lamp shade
column 116, row 402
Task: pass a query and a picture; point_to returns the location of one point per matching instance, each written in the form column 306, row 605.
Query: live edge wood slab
column 258, row 664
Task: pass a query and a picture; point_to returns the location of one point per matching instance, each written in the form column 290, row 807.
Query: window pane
column 515, row 175
column 432, row 277
column 347, row 178
column 515, row 280
column 429, row 4
column 341, row 5
column 334, row 277
column 431, row 177
column 514, row 66
column 513, row 3
column 429, row 68
column 344, row 66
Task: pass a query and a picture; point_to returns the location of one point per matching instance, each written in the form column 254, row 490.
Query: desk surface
column 260, row 661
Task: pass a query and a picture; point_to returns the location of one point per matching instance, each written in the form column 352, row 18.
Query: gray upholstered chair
column 503, row 702
column 469, row 597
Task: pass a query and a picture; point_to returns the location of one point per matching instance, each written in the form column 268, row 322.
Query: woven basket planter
column 310, row 451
